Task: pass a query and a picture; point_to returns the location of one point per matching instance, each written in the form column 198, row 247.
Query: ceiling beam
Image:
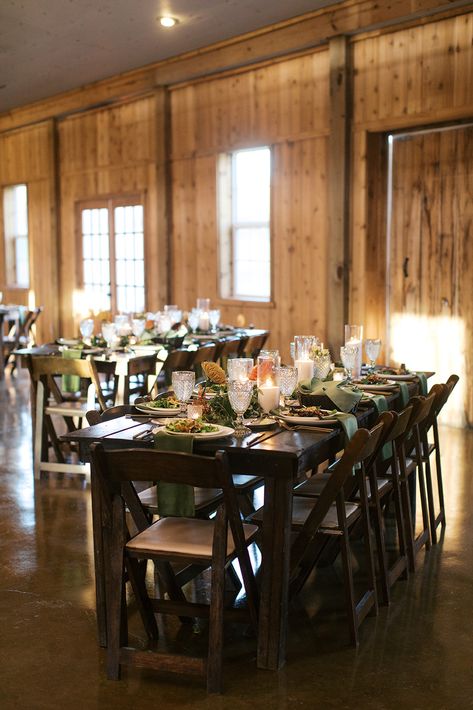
column 310, row 30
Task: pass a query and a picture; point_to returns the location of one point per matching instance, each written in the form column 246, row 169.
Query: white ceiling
column 50, row 46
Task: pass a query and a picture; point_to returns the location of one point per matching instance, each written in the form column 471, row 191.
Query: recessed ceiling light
column 167, row 21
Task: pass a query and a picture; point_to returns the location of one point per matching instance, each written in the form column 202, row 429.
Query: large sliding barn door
column 430, row 257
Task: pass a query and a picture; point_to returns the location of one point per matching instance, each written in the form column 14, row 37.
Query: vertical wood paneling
column 406, row 78
column 114, row 151
column 431, row 265
column 279, row 105
column 28, row 156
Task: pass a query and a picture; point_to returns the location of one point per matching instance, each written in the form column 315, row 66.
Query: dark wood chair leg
column 215, row 652
column 347, row 573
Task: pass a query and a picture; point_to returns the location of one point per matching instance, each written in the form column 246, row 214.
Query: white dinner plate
column 260, row 423
column 400, row 378
column 159, row 411
column 312, row 421
column 219, row 434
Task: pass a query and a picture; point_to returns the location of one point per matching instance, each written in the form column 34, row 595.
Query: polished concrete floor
column 416, row 654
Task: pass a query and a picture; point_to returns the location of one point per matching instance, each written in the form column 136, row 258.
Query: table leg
column 100, row 600
column 272, row 630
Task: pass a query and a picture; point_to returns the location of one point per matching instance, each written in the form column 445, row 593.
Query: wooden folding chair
column 253, row 345
column 50, row 401
column 317, row 520
column 408, row 448
column 21, row 335
column 442, row 393
column 210, row 543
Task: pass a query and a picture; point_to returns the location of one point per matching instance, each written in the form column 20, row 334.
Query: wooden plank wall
column 112, row 151
column 27, row 156
column 284, row 105
column 413, row 77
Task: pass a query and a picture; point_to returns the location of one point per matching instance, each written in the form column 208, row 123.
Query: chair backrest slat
column 359, row 449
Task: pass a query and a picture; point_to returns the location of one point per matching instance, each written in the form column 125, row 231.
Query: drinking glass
column 272, row 354
column 193, row 319
column 138, row 327
column 348, row 354
column 354, row 337
column 203, row 304
column 373, row 348
column 122, row 324
column 109, row 331
column 239, row 394
column 183, row 382
column 239, row 368
column 287, row 381
column 322, row 365
column 86, row 328
column 214, row 318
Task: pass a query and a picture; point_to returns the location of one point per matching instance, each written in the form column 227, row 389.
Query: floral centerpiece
column 218, row 409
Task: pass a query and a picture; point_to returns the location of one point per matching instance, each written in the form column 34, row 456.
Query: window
column 113, row 272
column 15, row 220
column 244, row 182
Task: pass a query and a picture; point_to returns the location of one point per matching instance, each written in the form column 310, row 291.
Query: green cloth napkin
column 71, row 383
column 349, row 424
column 404, row 393
column 381, row 404
column 343, row 396
column 174, row 499
column 422, row 383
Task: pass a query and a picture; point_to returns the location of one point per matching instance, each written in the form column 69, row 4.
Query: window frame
column 110, row 202
column 227, row 227
column 6, row 284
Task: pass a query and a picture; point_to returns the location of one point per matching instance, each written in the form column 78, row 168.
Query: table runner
column 174, row 499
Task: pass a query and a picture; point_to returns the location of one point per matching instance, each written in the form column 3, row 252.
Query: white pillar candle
column 268, row 397
column 305, row 369
column 204, row 321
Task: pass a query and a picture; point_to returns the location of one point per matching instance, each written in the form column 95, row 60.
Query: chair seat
column 203, row 497
column 382, row 484
column 242, row 481
column 313, row 486
column 410, row 467
column 182, row 537
column 302, row 506
column 68, row 409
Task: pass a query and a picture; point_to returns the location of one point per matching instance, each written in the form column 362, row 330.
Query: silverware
column 143, row 434
column 260, row 439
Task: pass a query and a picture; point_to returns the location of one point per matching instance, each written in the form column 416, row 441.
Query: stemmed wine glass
column 86, row 327
column 348, row 355
column 239, row 394
column 193, row 319
column 109, row 331
column 138, row 327
column 287, row 382
column 373, row 348
column 214, row 319
column 183, row 382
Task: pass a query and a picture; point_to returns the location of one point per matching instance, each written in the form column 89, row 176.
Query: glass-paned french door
column 112, row 251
